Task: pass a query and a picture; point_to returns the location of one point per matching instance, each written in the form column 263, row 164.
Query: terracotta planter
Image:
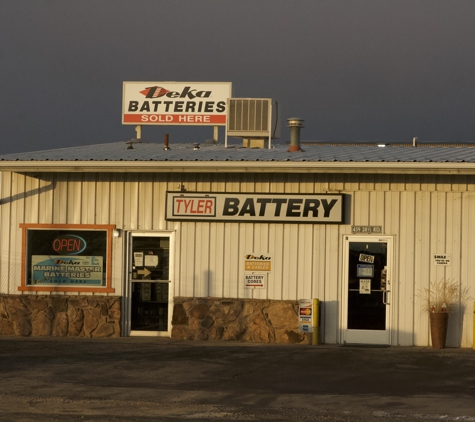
column 438, row 329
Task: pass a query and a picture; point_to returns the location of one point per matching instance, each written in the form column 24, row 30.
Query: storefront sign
column 264, row 207
column 442, row 259
column 59, row 270
column 175, row 103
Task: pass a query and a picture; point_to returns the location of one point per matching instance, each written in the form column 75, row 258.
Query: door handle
column 385, row 297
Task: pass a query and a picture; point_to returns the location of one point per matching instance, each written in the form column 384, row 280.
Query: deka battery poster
column 67, row 257
column 58, row 270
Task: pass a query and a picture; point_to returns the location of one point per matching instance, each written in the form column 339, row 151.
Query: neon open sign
column 69, row 244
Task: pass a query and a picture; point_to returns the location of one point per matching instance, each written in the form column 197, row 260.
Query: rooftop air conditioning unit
column 256, row 120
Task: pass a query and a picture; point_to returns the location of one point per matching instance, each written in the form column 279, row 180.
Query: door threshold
column 366, row 346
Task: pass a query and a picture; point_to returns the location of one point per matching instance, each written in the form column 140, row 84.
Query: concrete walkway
column 61, row 379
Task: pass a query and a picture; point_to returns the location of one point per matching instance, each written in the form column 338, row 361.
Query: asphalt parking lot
column 154, row 379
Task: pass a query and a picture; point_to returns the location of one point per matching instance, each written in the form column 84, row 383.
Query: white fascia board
column 236, row 167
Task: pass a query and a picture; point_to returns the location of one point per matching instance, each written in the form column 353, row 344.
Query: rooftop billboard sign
column 175, row 103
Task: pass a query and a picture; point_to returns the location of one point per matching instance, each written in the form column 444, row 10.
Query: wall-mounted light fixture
column 117, row 232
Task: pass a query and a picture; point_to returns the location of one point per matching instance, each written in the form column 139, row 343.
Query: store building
column 208, row 242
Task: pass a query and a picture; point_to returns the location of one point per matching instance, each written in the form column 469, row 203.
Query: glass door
column 149, row 284
column 367, row 290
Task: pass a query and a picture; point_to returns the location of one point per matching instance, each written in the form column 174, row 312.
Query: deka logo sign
column 187, row 92
column 315, row 208
column 175, row 103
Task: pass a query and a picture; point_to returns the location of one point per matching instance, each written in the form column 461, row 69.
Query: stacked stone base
column 60, row 316
column 250, row 320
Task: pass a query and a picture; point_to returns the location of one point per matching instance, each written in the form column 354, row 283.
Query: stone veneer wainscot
column 60, row 316
column 252, row 320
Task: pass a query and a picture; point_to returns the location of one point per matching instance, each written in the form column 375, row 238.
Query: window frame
column 25, row 287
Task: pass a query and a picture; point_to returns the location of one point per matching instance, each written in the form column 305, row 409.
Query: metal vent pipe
column 295, row 124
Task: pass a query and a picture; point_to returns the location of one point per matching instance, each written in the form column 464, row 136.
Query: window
column 66, row 258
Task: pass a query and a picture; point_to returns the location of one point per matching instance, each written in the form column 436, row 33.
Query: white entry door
column 149, row 284
column 367, row 290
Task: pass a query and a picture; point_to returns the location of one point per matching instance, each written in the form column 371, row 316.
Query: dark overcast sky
column 378, row 70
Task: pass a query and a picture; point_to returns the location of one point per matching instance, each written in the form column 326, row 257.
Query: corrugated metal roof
column 119, row 151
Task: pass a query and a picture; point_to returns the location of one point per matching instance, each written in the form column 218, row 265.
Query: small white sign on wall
column 442, row 259
column 305, row 315
column 255, row 280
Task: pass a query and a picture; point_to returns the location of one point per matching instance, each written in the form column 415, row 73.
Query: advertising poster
column 258, row 262
column 66, row 258
column 57, row 270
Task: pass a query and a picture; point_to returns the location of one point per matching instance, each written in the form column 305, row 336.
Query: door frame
column 352, row 336
column 127, row 307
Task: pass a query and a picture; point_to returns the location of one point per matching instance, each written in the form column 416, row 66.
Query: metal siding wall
column 88, row 204
column 391, row 227
column 453, row 243
column 7, row 257
column 276, row 240
column 331, row 297
column 31, row 198
column 46, row 194
column 131, row 202
column 467, row 261
column 60, row 202
column 405, row 283
column 103, row 198
column 186, row 271
column 116, row 216
column 425, row 214
column 422, row 267
column 17, row 214
column 144, row 204
column 261, row 243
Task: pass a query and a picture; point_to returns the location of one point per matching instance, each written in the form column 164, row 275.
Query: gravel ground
column 47, row 379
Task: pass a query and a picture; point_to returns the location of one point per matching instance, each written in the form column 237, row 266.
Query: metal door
column 149, row 284
column 367, row 290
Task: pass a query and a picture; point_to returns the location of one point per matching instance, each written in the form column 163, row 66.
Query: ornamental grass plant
column 444, row 296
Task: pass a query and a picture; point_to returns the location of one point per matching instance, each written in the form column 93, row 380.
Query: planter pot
column 438, row 329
